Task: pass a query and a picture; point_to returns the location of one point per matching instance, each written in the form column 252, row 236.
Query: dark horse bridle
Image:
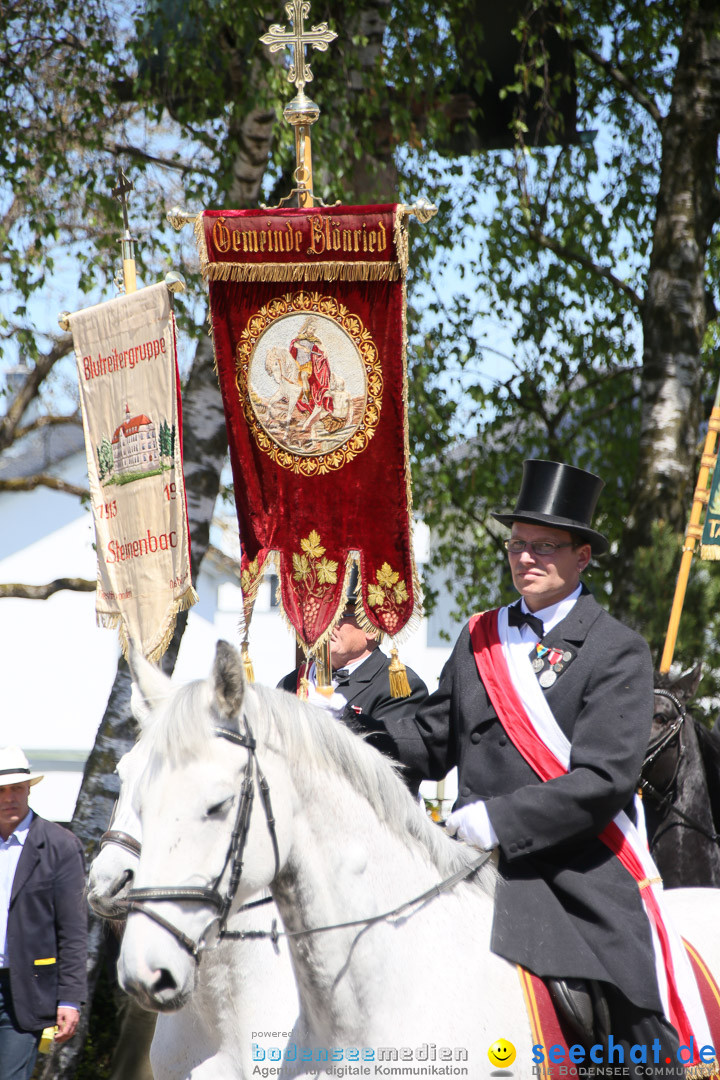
column 671, row 739
column 137, row 899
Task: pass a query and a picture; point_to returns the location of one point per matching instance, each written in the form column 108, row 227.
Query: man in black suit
column 43, row 923
column 543, row 793
column 361, row 677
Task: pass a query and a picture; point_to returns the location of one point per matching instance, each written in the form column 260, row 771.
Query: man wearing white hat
column 43, row 922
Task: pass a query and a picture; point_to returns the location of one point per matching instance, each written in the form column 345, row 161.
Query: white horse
column 380, row 979
column 242, row 988
column 281, row 367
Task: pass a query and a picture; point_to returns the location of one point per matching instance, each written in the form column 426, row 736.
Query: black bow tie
column 341, row 673
column 517, row 617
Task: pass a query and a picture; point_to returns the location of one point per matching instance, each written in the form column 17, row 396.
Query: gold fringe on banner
column 399, row 685
column 329, row 271
column 185, row 602
column 199, row 230
column 401, row 240
column 711, row 552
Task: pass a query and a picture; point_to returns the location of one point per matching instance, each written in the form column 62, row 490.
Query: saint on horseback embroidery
column 308, row 382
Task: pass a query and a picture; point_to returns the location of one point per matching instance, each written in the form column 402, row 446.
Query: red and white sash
column 504, row 666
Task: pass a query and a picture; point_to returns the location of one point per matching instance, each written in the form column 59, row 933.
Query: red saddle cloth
column 548, row 1029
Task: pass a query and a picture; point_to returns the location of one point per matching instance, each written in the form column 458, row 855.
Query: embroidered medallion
column 310, row 381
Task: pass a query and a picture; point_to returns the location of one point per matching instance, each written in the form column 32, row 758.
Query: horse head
column 665, row 746
column 209, row 840
column 113, row 868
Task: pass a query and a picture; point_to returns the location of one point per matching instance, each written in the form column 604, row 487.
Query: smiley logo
column 501, row 1053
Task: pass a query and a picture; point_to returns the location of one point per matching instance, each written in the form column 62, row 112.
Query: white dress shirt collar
column 553, row 614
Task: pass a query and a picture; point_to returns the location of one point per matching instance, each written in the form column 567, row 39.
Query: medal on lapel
column 538, row 662
column 549, row 662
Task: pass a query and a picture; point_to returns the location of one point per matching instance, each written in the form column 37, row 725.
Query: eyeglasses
column 538, row 547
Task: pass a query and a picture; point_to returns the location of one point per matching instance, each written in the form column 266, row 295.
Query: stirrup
column 582, row 1003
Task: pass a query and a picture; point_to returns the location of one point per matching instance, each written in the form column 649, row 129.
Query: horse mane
column 315, row 741
column 312, row 742
column 709, row 746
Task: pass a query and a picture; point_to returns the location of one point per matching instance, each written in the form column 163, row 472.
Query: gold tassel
column 302, row 690
column 399, row 685
column 247, row 662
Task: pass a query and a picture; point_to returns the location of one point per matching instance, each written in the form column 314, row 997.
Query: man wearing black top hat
column 361, row 682
column 566, row 907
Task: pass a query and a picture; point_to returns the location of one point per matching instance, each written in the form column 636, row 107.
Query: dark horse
column 681, row 788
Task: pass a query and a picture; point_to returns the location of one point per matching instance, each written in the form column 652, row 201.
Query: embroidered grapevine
column 387, row 596
column 314, row 573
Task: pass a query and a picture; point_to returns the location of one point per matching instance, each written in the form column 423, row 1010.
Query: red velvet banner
column 308, row 318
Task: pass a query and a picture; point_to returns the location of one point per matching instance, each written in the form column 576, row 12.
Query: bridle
column 665, row 739
column 663, row 800
column 137, row 899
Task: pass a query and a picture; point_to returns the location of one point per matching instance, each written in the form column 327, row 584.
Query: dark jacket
column 47, row 921
column 565, row 906
column 370, row 704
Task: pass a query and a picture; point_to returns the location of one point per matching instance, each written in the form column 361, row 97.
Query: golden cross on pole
column 124, row 187
column 301, row 112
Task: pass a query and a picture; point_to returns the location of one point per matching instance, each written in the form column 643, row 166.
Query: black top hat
column 561, row 496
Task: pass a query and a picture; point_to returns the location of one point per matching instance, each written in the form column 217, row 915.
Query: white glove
column 334, row 703
column 472, row 824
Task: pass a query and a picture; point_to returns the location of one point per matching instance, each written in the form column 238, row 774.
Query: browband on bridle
column 667, row 736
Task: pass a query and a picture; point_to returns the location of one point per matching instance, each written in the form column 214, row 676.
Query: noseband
column 137, row 899
column 122, row 839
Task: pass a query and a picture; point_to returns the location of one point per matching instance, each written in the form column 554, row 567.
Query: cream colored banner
column 127, row 369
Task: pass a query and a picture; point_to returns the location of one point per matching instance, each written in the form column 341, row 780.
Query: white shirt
column 10, row 852
column 550, row 616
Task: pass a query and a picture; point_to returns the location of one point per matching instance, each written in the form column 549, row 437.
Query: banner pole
column 301, row 112
column 127, row 242
column 693, row 533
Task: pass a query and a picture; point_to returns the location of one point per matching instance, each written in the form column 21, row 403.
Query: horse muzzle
column 156, row 989
column 110, row 902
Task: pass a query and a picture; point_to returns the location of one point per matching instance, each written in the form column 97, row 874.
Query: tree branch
column 48, row 421
column 10, row 423
column 183, row 167
column 42, row 592
column 569, row 256
column 621, row 80
column 30, row 483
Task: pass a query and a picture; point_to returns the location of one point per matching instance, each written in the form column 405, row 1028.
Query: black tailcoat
column 47, row 921
column 565, row 906
column 370, row 705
